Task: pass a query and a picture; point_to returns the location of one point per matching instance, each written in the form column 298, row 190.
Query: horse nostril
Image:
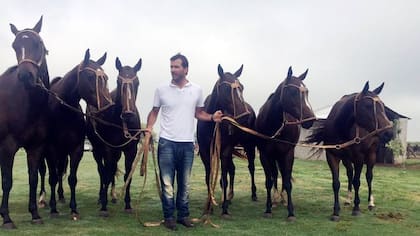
column 307, row 124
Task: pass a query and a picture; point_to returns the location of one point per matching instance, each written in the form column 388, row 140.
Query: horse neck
column 45, row 77
column 275, row 114
column 66, row 88
column 344, row 121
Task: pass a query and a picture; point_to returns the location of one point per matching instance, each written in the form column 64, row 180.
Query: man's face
column 177, row 71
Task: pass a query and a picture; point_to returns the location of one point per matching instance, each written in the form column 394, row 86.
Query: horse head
column 293, row 98
column 30, row 53
column 227, row 94
column 92, row 82
column 369, row 111
column 127, row 87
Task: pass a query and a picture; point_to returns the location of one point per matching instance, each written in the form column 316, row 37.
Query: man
column 180, row 101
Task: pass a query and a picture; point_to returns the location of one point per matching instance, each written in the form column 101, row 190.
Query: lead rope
column 144, row 149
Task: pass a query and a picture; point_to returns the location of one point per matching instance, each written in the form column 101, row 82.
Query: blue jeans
column 175, row 158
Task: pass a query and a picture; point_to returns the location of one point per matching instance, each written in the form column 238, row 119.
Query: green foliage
column 396, row 191
column 396, row 146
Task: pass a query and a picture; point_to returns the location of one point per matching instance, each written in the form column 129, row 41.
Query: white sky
column 343, row 44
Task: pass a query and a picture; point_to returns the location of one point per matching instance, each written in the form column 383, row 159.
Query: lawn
column 396, row 191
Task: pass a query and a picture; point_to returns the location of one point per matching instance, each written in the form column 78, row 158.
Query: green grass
column 396, row 191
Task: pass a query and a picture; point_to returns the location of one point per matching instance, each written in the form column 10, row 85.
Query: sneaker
column 170, row 224
column 185, row 222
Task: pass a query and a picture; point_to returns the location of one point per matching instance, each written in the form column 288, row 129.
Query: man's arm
column 151, row 118
column 200, row 114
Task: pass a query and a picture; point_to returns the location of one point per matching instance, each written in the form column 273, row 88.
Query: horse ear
column 137, row 67
column 118, row 64
column 239, row 71
column 87, row 57
column 38, row 26
column 289, row 73
column 366, row 88
column 13, row 29
column 220, row 71
column 101, row 60
column 303, row 76
column 379, row 89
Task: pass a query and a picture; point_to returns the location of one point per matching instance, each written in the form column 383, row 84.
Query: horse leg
column 53, row 179
column 114, row 195
column 75, row 158
column 60, row 190
column 369, row 177
column 333, row 163
column 356, row 184
column 286, row 167
column 269, row 169
column 33, row 159
column 42, row 193
column 208, row 209
column 6, row 164
column 224, row 184
column 349, row 171
column 231, row 171
column 250, row 152
column 130, row 155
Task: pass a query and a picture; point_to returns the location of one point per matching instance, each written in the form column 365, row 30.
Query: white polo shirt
column 177, row 110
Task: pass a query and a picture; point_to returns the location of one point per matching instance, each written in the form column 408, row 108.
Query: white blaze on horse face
column 23, row 53
column 240, row 95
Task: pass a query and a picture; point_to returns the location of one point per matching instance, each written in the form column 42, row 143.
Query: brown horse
column 279, row 118
column 227, row 96
column 23, row 114
column 67, row 130
column 355, row 124
column 120, row 134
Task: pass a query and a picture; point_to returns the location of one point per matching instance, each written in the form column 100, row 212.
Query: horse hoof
column 268, row 215
column 291, row 218
column 103, row 213
column 114, row 200
column 335, row 218
column 62, row 200
column 129, row 210
column 75, row 216
column 9, row 225
column 371, row 208
column 38, row 221
column 226, row 216
column 254, row 198
column 356, row 213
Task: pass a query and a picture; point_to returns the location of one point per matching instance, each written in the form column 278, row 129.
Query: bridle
column 36, row 63
column 235, row 87
column 377, row 129
column 99, row 76
column 128, row 83
column 303, row 91
column 44, row 51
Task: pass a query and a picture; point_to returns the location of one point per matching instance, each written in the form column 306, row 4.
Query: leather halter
column 235, row 87
column 378, row 129
column 303, row 91
column 99, row 75
column 129, row 82
column 37, row 63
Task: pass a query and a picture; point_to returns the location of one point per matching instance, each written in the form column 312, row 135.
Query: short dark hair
column 182, row 58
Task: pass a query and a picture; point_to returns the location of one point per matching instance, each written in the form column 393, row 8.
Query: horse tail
column 317, row 136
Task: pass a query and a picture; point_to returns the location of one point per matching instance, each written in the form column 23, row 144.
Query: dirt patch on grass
column 394, row 216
